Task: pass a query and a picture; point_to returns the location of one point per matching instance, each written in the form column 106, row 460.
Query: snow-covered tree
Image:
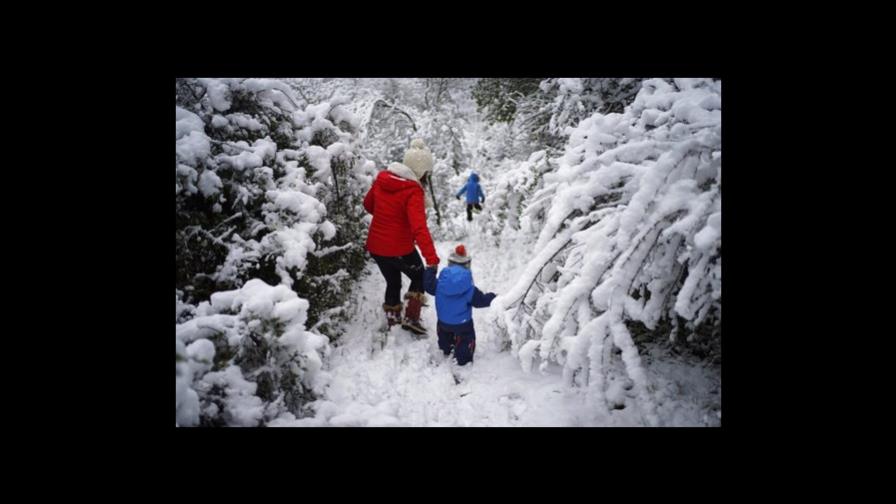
column 539, row 113
column 631, row 236
column 572, row 100
column 269, row 209
column 268, row 187
column 499, row 98
column 228, row 132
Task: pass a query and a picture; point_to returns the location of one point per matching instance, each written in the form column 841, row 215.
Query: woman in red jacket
column 398, row 205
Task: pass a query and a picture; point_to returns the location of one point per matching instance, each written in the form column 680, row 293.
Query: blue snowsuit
column 475, row 194
column 456, row 296
column 474, row 191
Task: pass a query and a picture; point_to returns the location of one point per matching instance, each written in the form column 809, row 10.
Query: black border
column 146, row 207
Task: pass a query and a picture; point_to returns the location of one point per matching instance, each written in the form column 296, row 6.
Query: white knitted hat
column 418, row 158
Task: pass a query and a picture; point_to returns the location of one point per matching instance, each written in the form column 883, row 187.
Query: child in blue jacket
column 456, row 296
column 475, row 194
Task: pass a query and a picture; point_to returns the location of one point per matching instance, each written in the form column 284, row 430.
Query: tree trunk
column 434, row 202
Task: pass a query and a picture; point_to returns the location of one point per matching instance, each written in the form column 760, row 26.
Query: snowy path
column 408, row 382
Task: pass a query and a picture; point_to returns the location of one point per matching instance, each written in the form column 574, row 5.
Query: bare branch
column 396, row 109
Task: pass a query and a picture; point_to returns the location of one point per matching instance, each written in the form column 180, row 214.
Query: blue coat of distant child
column 475, row 194
column 456, row 296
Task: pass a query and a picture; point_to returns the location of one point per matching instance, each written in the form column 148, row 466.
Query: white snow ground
column 408, row 382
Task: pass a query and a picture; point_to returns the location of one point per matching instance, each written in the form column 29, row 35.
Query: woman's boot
column 412, row 313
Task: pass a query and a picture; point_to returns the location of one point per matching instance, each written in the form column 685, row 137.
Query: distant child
column 456, row 296
column 475, row 194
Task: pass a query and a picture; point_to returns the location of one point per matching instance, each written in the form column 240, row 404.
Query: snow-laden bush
column 268, row 186
column 283, row 208
column 631, row 234
column 247, row 358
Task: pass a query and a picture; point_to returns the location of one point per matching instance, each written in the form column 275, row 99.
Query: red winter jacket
column 399, row 218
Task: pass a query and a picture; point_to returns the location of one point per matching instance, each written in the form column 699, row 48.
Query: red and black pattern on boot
column 412, row 313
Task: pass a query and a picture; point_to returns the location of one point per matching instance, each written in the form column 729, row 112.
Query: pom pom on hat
column 459, row 255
